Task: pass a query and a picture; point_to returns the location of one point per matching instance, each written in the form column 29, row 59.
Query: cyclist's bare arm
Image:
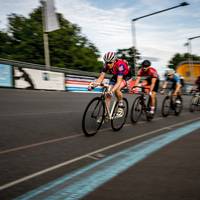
column 99, row 80
column 178, row 86
column 164, row 85
column 137, row 80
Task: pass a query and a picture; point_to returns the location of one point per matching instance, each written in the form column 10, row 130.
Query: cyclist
column 174, row 78
column 151, row 81
column 196, row 88
column 197, row 83
column 121, row 73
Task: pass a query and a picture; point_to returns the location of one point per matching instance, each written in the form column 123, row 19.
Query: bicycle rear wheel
column 178, row 106
column 166, row 105
column 119, row 118
column 194, row 103
column 136, row 110
column 93, row 116
column 198, row 104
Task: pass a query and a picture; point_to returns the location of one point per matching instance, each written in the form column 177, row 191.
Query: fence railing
column 17, row 74
column 43, row 67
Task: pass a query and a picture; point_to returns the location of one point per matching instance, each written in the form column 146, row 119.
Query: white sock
column 152, row 108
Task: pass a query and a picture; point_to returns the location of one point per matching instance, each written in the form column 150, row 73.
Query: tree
column 129, row 54
column 178, row 58
column 5, row 45
column 68, row 48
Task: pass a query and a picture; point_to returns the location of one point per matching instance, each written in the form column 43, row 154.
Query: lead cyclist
column 121, row 76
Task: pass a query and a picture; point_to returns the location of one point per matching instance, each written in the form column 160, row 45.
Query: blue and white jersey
column 176, row 79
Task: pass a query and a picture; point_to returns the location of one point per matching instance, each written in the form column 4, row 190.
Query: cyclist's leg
column 119, row 93
column 153, row 99
column 153, row 96
column 108, row 98
column 173, row 88
column 179, row 98
column 130, row 84
column 119, row 96
column 151, row 102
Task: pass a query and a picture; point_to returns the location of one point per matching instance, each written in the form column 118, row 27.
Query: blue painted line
column 85, row 180
column 82, row 89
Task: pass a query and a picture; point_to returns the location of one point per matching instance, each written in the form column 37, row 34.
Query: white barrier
column 38, row 79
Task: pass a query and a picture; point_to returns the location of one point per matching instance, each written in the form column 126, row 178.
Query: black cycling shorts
column 156, row 87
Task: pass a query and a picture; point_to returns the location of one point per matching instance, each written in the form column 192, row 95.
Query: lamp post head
column 184, row 4
column 194, row 37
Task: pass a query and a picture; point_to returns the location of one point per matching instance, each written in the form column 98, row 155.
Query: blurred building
column 189, row 70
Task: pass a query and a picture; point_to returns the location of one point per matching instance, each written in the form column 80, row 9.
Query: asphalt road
column 42, row 144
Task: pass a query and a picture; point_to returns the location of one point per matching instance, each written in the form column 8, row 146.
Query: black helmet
column 146, row 63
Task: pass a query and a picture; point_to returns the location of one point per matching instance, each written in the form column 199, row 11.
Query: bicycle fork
column 109, row 112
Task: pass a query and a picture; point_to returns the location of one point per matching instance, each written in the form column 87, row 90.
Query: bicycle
column 171, row 103
column 97, row 112
column 195, row 101
column 142, row 105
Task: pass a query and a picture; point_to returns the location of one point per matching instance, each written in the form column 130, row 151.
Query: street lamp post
column 190, row 60
column 154, row 13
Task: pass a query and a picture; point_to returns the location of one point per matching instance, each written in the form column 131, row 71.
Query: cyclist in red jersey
column 151, row 80
column 121, row 73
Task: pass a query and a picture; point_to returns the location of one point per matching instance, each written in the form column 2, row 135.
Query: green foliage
column 178, row 58
column 5, row 45
column 68, row 48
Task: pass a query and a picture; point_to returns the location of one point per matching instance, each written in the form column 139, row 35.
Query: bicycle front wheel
column 119, row 116
column 136, row 110
column 166, row 105
column 93, row 116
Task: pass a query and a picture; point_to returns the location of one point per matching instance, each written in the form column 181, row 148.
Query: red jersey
column 120, row 68
column 149, row 72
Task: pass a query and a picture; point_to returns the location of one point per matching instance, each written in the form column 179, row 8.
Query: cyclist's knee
column 118, row 93
column 153, row 94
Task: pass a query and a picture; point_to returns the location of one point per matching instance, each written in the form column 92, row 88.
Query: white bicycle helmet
column 110, row 57
column 170, row 72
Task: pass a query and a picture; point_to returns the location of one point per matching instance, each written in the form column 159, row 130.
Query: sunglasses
column 109, row 62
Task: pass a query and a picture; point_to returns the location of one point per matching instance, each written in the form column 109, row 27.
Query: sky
column 107, row 24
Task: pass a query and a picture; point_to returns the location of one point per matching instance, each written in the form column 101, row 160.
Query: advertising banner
column 6, row 76
column 76, row 83
column 38, row 79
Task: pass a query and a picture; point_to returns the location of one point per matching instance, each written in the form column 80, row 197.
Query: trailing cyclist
column 197, row 83
column 175, row 80
column 151, row 81
column 121, row 73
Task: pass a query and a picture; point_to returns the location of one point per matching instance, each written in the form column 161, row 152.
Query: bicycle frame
column 172, row 101
column 99, row 109
column 109, row 110
column 172, row 105
column 145, row 105
column 142, row 97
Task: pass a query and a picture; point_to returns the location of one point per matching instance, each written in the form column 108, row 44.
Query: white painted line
column 26, row 178
column 93, row 157
column 39, row 144
column 38, row 113
column 63, row 138
column 57, row 140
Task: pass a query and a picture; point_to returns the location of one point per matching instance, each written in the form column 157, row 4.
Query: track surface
column 42, row 140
